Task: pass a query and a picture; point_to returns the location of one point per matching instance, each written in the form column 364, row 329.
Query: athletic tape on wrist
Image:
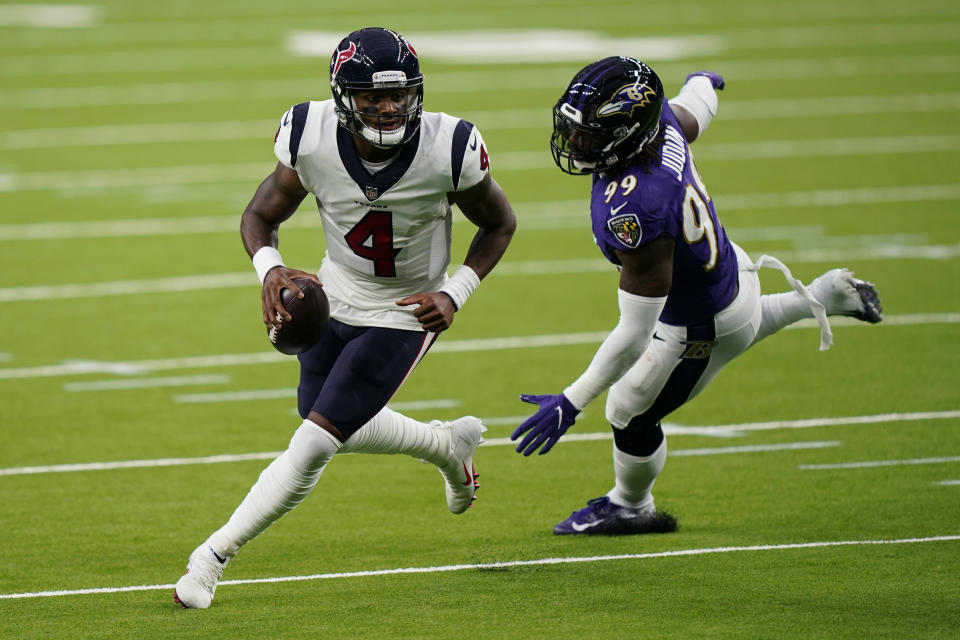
column 264, row 259
column 461, row 285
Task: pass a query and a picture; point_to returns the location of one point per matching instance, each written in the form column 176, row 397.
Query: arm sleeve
column 620, row 350
column 699, row 98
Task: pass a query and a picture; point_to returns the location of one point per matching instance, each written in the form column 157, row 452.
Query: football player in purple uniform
column 384, row 174
column 689, row 298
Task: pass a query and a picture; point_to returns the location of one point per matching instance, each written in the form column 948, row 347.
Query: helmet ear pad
column 608, row 113
column 375, row 59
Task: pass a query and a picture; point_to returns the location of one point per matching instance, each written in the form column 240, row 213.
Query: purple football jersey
column 632, row 208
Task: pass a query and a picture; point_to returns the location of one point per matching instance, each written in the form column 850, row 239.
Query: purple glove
column 551, row 421
column 715, row 78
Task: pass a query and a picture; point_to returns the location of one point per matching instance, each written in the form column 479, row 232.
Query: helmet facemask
column 580, row 149
column 382, row 130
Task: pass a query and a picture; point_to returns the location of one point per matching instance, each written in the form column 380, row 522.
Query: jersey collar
column 375, row 185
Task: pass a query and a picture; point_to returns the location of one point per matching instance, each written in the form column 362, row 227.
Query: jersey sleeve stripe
column 296, row 131
column 459, row 148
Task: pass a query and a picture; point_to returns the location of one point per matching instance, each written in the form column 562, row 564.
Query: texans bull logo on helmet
column 626, row 99
column 342, row 56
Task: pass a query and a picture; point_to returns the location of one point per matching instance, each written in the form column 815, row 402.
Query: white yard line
column 772, row 149
column 492, row 120
column 137, row 367
column 459, row 82
column 269, row 455
column 176, row 26
column 540, row 215
column 219, row 281
column 703, row 451
column 949, row 483
column 49, row 16
column 291, row 392
column 500, row 565
column 248, row 172
column 517, row 46
column 495, row 46
column 675, row 430
column 878, row 463
column 668, row 428
column 145, row 383
column 808, row 423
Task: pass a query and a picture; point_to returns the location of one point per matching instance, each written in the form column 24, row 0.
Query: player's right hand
column 276, row 280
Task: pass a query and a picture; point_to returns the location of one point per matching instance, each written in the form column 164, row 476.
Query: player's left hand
column 435, row 310
column 715, row 78
column 555, row 415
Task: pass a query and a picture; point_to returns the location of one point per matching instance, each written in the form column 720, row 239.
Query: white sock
column 392, row 432
column 780, row 310
column 635, row 477
column 281, row 486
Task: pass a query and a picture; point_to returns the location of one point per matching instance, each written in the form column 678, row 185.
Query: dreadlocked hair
column 646, row 158
column 649, row 156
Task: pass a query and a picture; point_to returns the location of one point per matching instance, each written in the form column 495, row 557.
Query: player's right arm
column 275, row 200
column 646, row 275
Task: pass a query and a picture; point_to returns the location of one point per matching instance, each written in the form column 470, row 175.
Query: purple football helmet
column 610, row 110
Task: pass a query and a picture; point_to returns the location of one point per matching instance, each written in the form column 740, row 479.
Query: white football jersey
column 388, row 233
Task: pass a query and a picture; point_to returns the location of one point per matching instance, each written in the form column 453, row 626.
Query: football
column 310, row 316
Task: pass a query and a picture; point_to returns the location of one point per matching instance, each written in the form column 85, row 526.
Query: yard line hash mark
column 499, row 565
column 878, row 463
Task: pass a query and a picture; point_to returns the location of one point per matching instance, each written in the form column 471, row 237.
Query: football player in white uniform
column 384, row 174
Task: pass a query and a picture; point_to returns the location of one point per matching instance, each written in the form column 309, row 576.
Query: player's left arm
column 696, row 104
column 486, row 206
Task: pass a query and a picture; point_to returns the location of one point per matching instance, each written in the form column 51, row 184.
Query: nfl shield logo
column 627, row 229
column 371, row 192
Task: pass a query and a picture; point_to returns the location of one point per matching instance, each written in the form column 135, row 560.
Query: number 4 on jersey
column 377, row 227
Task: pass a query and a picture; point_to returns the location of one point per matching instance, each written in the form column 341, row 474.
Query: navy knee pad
column 640, row 438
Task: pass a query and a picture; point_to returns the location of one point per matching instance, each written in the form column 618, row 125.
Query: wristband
column 460, row 285
column 266, row 258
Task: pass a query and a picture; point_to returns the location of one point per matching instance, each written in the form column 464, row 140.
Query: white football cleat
column 842, row 294
column 459, row 474
column 196, row 588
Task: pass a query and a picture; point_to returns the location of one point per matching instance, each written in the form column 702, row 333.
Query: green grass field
column 818, row 497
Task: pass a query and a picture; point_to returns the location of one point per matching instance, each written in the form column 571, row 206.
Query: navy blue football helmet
column 610, row 110
column 377, row 59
